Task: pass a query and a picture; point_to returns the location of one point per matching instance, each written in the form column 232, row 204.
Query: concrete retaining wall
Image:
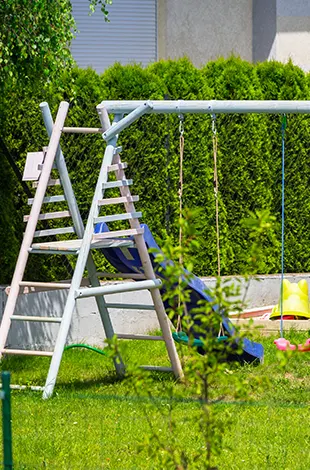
column 86, row 325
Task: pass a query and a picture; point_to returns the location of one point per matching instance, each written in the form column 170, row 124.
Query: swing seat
column 182, row 338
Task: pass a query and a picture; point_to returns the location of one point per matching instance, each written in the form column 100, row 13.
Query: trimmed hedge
column 249, row 155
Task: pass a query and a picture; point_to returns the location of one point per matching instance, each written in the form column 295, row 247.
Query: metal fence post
column 6, row 422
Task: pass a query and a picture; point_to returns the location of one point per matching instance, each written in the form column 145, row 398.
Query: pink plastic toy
column 283, row 344
column 304, row 347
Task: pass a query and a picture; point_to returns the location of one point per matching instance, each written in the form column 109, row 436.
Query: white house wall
column 293, row 32
column 204, row 30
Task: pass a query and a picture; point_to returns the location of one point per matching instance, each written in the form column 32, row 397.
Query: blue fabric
column 128, row 261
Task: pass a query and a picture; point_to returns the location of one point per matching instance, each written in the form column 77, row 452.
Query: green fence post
column 6, row 422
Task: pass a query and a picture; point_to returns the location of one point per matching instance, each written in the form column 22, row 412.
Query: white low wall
column 86, row 325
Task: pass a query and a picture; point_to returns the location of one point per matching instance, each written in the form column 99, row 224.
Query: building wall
column 204, row 30
column 293, row 32
column 264, row 29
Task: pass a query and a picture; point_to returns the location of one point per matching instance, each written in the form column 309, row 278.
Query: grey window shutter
column 130, row 36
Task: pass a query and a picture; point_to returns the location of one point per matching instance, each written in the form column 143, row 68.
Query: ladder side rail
column 32, row 223
column 83, row 257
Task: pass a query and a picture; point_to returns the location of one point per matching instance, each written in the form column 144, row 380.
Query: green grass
column 96, row 422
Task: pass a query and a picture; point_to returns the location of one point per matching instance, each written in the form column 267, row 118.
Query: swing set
column 128, row 250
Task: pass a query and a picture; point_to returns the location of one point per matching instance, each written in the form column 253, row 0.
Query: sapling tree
column 210, row 373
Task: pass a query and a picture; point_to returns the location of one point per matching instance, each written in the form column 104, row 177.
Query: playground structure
column 135, row 240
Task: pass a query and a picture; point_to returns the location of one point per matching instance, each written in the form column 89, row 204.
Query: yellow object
column 295, row 300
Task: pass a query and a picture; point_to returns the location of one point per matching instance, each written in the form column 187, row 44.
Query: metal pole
column 143, row 108
column 7, row 422
column 211, row 107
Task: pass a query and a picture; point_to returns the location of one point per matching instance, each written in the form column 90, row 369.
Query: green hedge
column 249, row 155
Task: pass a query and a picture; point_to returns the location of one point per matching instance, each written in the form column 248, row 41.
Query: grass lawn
column 96, row 422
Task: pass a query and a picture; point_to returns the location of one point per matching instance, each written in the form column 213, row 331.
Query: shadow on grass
column 109, row 379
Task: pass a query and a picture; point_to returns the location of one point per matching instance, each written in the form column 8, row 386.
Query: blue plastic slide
column 127, row 260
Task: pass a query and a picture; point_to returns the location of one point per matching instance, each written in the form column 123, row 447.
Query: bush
column 249, row 153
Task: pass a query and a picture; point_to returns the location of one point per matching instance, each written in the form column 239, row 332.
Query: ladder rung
column 51, row 182
column 48, row 199
column 72, row 247
column 117, row 166
column 118, row 288
column 48, row 285
column 117, row 200
column 140, row 337
column 50, row 215
column 40, row 166
column 26, row 352
column 36, row 319
column 120, row 275
column 116, row 184
column 55, row 231
column 38, row 286
column 119, row 233
column 130, row 306
column 115, row 217
column 157, row 368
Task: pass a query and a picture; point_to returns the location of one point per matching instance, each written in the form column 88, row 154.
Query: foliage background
column 249, row 156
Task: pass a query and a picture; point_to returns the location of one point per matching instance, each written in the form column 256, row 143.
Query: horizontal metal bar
column 82, row 130
column 49, row 199
column 36, row 319
column 118, row 288
column 210, row 107
column 117, row 200
column 131, row 306
column 138, row 111
column 140, row 337
column 50, row 215
column 120, row 275
column 26, row 352
column 54, row 231
column 116, row 217
column 157, row 368
column 116, row 184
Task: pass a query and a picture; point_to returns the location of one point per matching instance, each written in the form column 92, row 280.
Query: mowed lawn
column 96, row 422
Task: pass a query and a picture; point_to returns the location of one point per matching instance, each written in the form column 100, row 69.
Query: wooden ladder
column 43, row 163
